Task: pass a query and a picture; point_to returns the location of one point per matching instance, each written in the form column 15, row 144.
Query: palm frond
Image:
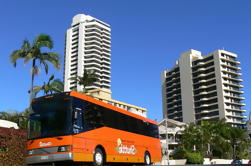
column 35, row 70
column 51, row 57
column 36, row 89
column 26, row 47
column 74, row 79
column 46, row 67
column 29, row 56
column 43, row 40
column 51, row 78
column 57, row 85
column 15, row 55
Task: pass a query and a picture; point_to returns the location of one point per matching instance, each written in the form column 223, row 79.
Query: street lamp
column 167, row 146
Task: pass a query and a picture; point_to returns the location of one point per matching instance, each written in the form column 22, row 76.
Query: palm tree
column 88, row 79
column 33, row 52
column 50, row 87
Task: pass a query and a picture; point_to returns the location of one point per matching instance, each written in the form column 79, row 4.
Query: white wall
column 8, row 124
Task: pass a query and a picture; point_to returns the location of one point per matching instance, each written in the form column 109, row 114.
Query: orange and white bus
column 72, row 127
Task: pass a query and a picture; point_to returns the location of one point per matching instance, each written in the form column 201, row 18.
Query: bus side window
column 77, row 116
column 93, row 116
column 77, row 120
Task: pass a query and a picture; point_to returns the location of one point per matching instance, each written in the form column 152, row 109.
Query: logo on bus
column 44, row 144
column 125, row 149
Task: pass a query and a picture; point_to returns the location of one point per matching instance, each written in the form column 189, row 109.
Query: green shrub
column 194, row 158
column 180, row 153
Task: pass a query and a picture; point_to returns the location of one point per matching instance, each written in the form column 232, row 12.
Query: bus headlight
column 30, row 152
column 65, row 148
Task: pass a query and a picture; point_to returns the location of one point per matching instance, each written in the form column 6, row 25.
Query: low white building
column 104, row 95
column 8, row 124
column 172, row 129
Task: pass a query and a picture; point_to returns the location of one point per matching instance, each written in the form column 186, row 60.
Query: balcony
column 106, row 58
column 234, row 97
column 232, row 84
column 92, row 58
column 92, row 38
column 92, row 33
column 106, row 33
column 234, row 103
column 106, row 45
column 107, row 40
column 105, row 75
column 92, row 51
column 232, row 108
column 92, row 68
column 233, row 79
column 106, row 37
column 207, row 111
column 203, row 93
column 202, row 87
column 236, row 116
column 105, row 84
column 234, row 90
column 106, row 49
column 174, row 101
column 106, row 54
column 206, row 105
column 106, row 67
column 235, row 121
column 200, row 63
column 203, row 105
column 93, row 29
column 106, row 62
column 230, row 60
column 201, row 81
column 231, row 68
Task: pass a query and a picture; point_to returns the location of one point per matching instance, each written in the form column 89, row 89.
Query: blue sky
column 147, row 37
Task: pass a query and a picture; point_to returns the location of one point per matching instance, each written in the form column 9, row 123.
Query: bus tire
column 147, row 158
column 98, row 157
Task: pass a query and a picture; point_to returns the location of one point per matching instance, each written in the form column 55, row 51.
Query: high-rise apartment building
column 87, row 47
column 204, row 88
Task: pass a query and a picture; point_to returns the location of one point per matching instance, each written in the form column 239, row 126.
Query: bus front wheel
column 147, row 158
column 98, row 158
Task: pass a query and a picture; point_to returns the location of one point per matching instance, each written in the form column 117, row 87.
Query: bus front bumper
column 49, row 158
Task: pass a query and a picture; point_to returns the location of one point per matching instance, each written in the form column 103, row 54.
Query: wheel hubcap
column 147, row 159
column 98, row 158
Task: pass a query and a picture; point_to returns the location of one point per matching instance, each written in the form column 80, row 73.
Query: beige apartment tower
column 87, row 47
column 204, row 88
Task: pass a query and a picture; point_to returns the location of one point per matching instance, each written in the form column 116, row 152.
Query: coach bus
column 72, row 127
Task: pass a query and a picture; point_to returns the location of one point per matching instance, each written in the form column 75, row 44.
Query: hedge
column 12, row 147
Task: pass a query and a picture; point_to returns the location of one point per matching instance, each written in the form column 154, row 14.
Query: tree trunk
column 32, row 80
column 31, row 95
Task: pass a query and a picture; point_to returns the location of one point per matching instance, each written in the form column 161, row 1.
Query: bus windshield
column 51, row 117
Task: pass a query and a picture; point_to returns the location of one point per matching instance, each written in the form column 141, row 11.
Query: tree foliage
column 34, row 52
column 194, row 158
column 215, row 139
column 53, row 85
column 21, row 118
column 88, row 79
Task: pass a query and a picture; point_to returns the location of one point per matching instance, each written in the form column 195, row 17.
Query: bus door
column 79, row 143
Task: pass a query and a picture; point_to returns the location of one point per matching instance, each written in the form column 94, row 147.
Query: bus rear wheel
column 147, row 158
column 98, row 157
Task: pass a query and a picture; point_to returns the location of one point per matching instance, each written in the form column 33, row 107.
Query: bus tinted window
column 95, row 116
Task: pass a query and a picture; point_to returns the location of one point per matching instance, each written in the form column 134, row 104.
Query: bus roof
column 95, row 101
